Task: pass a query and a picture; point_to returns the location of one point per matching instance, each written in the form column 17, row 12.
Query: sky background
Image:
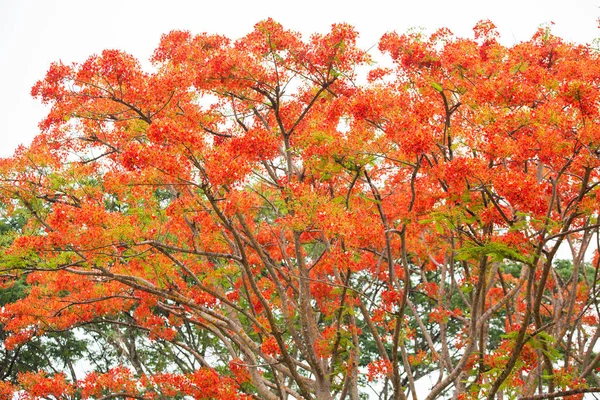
column 34, row 33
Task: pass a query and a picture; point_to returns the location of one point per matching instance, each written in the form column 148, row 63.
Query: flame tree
column 294, row 231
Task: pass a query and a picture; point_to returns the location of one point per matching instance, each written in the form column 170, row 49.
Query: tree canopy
column 275, row 217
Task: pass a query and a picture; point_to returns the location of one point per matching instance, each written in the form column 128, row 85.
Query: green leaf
column 521, row 67
column 496, row 251
column 437, row 87
column 364, row 197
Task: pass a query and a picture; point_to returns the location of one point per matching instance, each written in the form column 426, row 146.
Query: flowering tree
column 293, row 232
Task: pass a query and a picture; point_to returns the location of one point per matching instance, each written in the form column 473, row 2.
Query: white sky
column 33, row 33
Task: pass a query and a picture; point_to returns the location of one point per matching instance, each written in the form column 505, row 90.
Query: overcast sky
column 33, row 33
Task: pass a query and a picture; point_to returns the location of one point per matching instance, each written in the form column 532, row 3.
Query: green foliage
column 496, row 251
